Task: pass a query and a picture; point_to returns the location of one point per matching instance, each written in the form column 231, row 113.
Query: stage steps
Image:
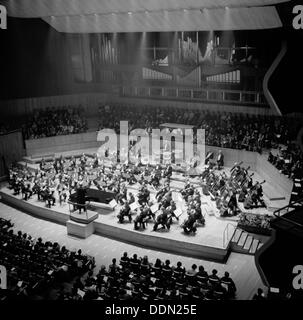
column 254, row 246
column 245, row 243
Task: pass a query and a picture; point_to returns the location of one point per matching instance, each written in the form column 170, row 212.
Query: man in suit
column 81, row 192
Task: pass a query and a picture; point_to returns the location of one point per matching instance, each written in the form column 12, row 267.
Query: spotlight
column 129, row 12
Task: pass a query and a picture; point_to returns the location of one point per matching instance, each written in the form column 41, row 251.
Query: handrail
column 225, row 232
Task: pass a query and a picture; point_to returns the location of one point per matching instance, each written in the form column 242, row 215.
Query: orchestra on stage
column 68, row 179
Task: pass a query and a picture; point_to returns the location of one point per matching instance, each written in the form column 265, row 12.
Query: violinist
column 141, row 219
column 125, row 212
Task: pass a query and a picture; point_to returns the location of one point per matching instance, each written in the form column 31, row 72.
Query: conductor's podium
column 80, row 224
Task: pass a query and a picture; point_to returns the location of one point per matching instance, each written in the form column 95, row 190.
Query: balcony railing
column 196, row 94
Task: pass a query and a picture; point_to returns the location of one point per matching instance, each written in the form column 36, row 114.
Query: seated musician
column 189, row 225
column 257, row 195
column 171, row 210
column 166, row 199
column 27, row 191
column 243, row 192
column 141, row 219
column 160, row 194
column 155, row 179
column 143, row 195
column 187, row 191
column 233, row 204
column 12, row 179
column 220, row 160
column 147, row 208
column 254, row 197
column 36, row 188
column 62, row 192
column 125, row 212
column 131, row 198
column 162, row 219
column 49, row 197
column 17, row 186
column 121, row 195
column 248, row 203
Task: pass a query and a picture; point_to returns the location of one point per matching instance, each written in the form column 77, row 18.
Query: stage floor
column 209, row 242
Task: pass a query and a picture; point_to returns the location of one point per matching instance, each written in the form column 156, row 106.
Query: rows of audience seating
column 138, row 279
column 55, row 121
column 34, row 265
column 239, row 131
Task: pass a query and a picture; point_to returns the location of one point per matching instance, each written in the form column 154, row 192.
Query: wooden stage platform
column 210, row 241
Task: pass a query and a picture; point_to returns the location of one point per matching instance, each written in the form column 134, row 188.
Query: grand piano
column 93, row 195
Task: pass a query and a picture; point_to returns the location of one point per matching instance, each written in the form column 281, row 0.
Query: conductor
column 80, row 194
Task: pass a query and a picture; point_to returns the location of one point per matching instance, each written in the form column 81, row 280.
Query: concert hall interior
column 149, row 150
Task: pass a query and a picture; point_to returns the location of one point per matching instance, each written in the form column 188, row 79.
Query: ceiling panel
column 44, row 8
column 192, row 20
